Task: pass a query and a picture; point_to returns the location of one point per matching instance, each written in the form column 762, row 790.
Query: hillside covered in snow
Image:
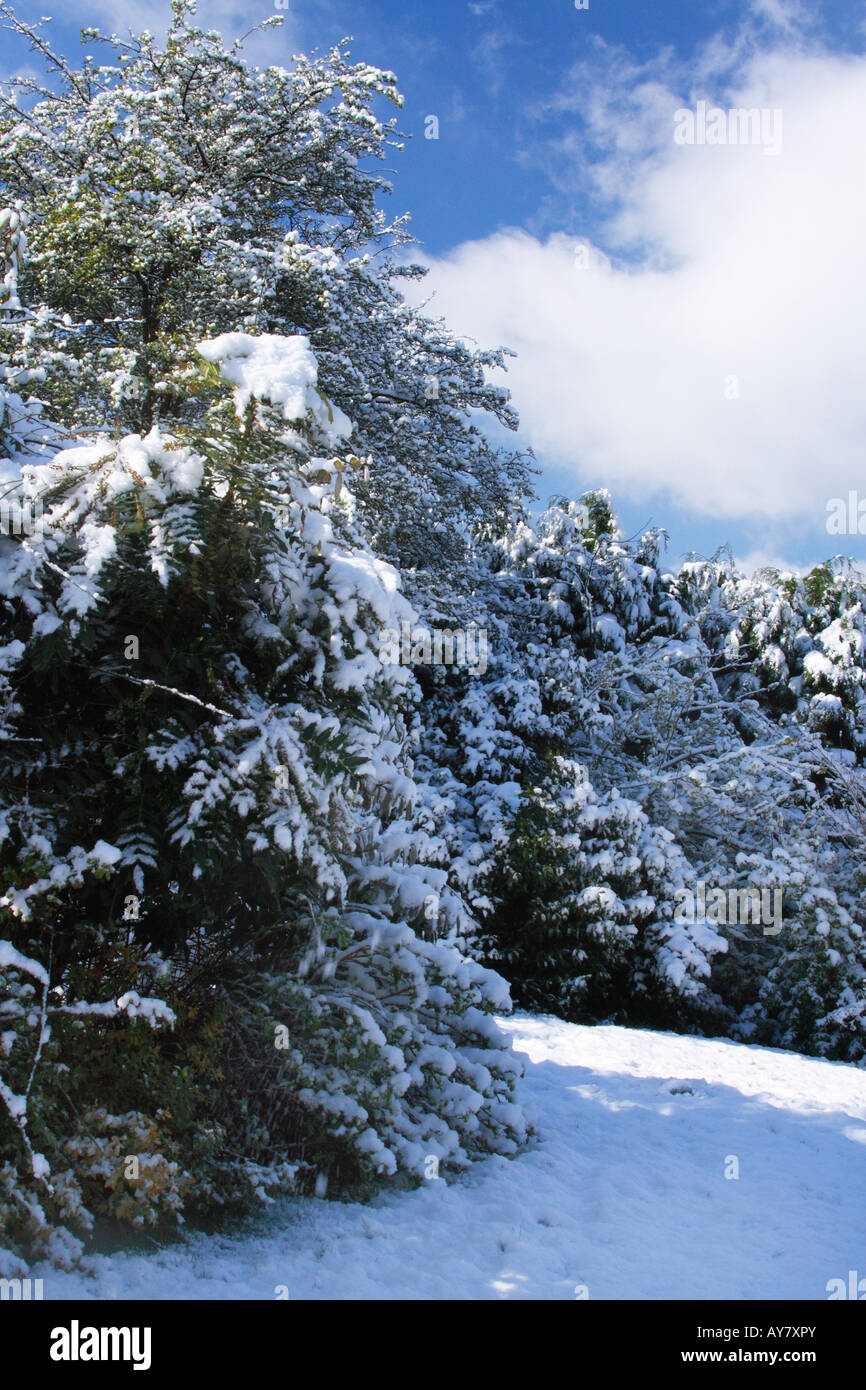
column 627, row 1192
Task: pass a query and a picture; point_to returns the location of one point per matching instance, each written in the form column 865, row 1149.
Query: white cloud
column 762, row 559
column 788, row 15
column 751, row 266
column 492, row 58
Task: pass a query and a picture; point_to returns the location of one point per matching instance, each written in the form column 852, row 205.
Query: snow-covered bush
column 584, row 923
column 211, row 814
column 198, row 685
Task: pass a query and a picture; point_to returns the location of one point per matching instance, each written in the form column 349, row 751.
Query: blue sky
column 484, row 68
column 703, row 354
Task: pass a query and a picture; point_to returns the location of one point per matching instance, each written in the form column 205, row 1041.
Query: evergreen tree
column 208, row 790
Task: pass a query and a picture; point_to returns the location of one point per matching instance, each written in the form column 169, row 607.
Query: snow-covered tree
column 584, row 923
column 572, row 883
column 177, row 192
column 209, row 781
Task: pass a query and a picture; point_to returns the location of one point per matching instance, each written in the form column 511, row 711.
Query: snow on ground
column 623, row 1192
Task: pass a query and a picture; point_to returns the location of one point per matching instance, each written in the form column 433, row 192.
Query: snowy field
column 623, row 1194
